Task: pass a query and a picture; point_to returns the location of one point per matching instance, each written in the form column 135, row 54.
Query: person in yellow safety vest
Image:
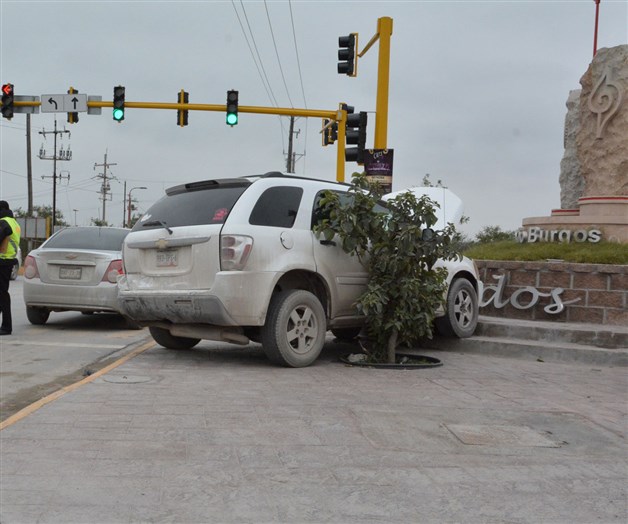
column 9, row 242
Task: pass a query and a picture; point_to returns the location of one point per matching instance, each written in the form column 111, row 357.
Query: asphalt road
column 37, row 360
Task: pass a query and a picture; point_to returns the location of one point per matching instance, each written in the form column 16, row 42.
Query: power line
column 261, row 63
column 252, row 54
column 262, row 71
column 272, row 34
column 296, row 50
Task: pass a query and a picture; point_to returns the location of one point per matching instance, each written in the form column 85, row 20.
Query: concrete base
column 590, row 344
column 606, row 213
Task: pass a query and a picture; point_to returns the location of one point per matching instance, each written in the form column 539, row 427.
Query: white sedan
column 76, row 269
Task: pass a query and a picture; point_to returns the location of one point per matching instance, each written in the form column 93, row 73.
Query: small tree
column 494, row 234
column 43, row 212
column 100, row 222
column 399, row 249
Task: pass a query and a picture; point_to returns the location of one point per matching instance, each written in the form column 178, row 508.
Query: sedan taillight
column 113, row 272
column 30, row 268
column 234, row 251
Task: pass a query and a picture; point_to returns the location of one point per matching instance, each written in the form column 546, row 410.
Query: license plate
column 70, row 273
column 167, row 258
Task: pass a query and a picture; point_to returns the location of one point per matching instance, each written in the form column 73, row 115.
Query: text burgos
column 536, row 234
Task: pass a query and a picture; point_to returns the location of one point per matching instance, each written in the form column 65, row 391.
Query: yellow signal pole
column 384, row 32
column 341, row 118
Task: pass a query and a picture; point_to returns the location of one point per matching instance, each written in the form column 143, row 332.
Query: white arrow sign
column 71, row 103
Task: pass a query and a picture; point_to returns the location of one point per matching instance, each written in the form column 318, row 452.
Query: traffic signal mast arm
column 288, row 111
column 340, row 116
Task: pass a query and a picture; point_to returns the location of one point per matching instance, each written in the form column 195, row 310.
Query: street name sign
column 70, row 103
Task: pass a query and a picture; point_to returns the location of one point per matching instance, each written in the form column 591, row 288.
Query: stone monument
column 594, row 168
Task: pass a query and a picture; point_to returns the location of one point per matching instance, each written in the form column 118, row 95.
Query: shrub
column 399, row 250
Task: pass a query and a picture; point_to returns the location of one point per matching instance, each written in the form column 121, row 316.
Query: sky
column 477, row 94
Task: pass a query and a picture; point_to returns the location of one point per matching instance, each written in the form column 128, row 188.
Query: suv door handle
column 328, row 243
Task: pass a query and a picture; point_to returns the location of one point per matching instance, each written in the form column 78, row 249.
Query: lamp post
column 597, row 19
column 128, row 221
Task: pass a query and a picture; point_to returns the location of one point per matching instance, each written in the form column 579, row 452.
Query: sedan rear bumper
column 103, row 297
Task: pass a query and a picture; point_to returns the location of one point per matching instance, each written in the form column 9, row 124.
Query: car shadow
column 77, row 321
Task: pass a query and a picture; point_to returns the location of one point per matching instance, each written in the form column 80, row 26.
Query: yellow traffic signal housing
column 182, row 114
column 329, row 132
column 72, row 117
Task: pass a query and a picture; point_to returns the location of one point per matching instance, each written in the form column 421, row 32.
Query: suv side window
column 277, row 207
column 318, row 213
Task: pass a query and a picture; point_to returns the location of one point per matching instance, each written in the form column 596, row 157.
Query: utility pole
column 29, row 166
column 106, row 188
column 61, row 155
column 291, row 157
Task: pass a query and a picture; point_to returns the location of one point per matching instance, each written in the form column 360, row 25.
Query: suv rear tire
column 165, row 339
column 461, row 310
column 294, row 333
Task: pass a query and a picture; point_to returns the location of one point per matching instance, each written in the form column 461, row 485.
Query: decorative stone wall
column 601, row 291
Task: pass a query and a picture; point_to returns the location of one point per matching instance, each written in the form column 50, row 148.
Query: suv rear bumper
column 229, row 302
column 177, row 309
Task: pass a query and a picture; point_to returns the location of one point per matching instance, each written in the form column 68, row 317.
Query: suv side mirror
column 427, row 234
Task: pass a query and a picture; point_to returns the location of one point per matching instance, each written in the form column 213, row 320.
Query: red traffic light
column 7, row 101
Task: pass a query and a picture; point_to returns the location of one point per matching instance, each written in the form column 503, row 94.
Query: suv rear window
column 97, row 238
column 192, row 208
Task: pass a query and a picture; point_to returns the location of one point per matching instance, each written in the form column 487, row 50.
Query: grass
column 585, row 253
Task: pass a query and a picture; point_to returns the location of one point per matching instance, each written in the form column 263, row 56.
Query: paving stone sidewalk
column 209, row 435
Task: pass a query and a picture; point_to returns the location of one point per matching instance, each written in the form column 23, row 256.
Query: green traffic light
column 232, row 119
column 118, row 114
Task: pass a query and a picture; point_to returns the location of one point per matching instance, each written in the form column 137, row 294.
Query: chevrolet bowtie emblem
column 161, row 244
column 71, row 256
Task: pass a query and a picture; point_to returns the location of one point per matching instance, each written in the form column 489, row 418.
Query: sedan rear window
column 96, row 238
column 192, row 208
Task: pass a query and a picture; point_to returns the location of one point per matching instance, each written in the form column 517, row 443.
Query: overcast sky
column 477, row 93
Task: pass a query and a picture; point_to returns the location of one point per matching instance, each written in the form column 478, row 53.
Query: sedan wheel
column 37, row 315
column 295, row 328
column 461, row 317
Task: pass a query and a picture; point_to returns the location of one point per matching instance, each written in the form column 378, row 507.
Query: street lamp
column 128, row 221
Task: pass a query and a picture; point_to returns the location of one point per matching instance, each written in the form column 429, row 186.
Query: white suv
column 237, row 260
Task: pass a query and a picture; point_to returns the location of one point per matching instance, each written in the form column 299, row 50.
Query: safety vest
column 9, row 245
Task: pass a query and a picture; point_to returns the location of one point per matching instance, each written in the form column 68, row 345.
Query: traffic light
column 232, row 107
column 72, row 117
column 118, row 103
column 330, row 132
column 347, row 54
column 356, row 135
column 182, row 114
column 7, row 101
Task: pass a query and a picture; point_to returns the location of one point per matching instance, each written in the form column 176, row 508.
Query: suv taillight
column 113, row 271
column 30, row 268
column 234, row 251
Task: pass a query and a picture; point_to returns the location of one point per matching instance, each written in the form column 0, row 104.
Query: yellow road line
column 59, row 393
